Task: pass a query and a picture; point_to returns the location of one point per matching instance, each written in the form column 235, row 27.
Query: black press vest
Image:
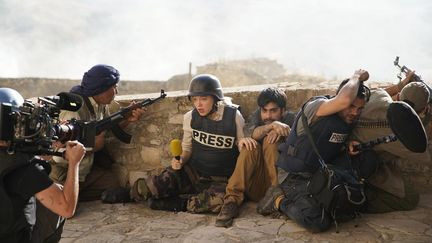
column 214, row 152
column 297, row 154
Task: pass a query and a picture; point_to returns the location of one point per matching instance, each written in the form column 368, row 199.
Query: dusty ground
column 97, row 222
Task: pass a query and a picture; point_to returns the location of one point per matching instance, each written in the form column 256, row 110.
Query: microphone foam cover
column 175, row 147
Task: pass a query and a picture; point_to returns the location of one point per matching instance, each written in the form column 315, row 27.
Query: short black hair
column 275, row 95
column 362, row 93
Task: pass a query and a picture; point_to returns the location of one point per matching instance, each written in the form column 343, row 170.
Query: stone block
column 152, row 128
column 176, row 119
column 150, row 156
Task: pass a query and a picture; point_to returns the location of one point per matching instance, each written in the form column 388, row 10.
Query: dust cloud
column 155, row 39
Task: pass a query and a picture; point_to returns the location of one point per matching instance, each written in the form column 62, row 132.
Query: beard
column 268, row 121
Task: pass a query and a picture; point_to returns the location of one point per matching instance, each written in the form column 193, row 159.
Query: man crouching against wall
column 270, row 123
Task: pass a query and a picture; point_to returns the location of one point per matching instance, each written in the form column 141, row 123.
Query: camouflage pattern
column 208, row 200
column 203, row 194
column 169, row 183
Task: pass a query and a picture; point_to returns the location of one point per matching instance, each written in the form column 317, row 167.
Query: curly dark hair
column 275, row 95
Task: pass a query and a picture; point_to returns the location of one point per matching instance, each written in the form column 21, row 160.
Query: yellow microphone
column 175, row 148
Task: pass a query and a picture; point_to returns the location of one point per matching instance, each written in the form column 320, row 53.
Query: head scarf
column 97, row 80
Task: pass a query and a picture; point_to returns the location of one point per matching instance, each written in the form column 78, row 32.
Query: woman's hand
column 248, row 143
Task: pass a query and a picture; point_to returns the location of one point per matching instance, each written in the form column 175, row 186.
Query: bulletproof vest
column 213, row 144
column 289, row 118
column 297, row 154
column 10, row 217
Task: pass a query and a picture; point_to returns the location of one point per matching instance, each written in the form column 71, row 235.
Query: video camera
column 33, row 127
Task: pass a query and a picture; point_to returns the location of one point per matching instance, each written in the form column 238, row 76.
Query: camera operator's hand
column 75, row 152
column 62, row 200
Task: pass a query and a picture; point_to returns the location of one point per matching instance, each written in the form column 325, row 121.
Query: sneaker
column 174, row 204
column 266, row 205
column 228, row 212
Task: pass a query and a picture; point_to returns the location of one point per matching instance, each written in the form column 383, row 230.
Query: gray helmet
column 205, row 84
column 11, row 96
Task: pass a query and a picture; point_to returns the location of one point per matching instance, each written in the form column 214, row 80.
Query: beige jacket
column 84, row 114
column 389, row 175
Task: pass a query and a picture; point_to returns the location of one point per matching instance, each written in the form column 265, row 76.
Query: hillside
column 230, row 72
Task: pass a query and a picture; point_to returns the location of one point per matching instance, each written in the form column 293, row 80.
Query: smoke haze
column 155, row 39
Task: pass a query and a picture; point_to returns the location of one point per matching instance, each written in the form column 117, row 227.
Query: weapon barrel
column 373, row 143
column 115, row 118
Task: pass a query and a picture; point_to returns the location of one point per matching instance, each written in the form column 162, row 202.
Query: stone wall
column 230, row 72
column 149, row 152
column 34, row 87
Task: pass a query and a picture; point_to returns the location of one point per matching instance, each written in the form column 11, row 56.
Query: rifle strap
column 89, row 107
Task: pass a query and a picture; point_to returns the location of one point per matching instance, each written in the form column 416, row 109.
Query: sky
column 156, row 39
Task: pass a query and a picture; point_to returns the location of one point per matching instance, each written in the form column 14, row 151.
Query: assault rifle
column 370, row 144
column 406, row 127
column 405, row 70
column 85, row 131
column 113, row 120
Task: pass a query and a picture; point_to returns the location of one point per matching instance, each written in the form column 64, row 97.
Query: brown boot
column 228, row 212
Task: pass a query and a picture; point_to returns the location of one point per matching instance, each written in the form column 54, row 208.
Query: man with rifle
column 98, row 89
column 388, row 190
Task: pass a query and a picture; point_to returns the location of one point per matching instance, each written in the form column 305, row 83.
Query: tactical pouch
column 337, row 191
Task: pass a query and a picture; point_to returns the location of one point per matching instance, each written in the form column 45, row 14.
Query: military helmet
column 205, row 84
column 11, row 96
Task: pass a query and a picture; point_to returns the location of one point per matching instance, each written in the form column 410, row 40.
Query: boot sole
column 226, row 224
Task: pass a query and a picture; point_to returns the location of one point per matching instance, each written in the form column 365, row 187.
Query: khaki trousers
column 255, row 171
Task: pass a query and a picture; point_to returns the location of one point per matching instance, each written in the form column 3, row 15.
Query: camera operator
column 97, row 180
column 32, row 207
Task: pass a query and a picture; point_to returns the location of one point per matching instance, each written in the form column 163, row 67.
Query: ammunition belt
column 372, row 124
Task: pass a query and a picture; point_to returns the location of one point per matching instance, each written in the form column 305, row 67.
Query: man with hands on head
column 331, row 120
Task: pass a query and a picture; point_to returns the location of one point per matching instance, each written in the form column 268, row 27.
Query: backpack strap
column 311, row 140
